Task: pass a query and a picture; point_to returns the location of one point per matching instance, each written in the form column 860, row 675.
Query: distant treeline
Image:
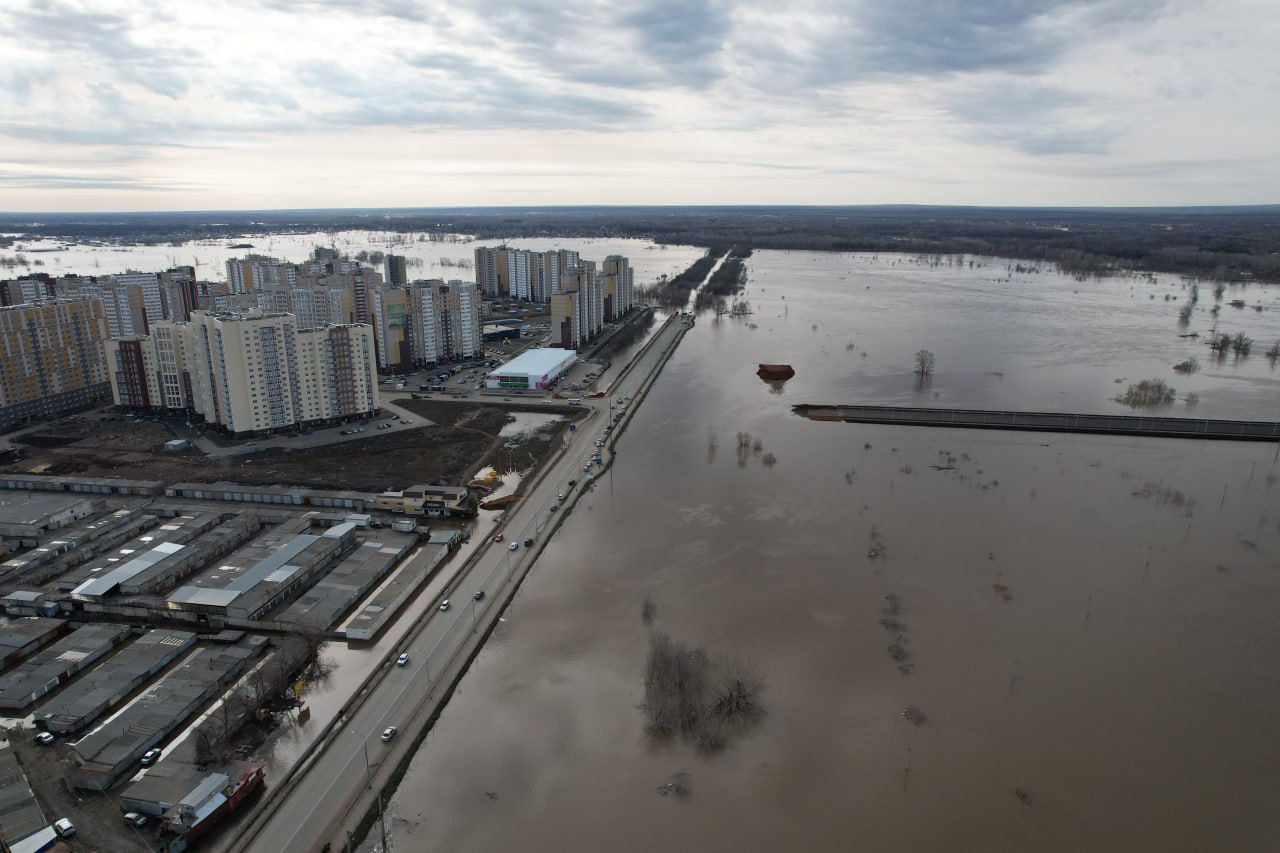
column 1206, row 242
column 727, row 280
column 674, row 292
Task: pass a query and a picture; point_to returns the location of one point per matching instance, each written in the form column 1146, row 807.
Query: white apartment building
column 248, row 373
column 444, row 321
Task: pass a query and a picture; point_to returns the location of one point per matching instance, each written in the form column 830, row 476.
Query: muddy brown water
column 1090, row 620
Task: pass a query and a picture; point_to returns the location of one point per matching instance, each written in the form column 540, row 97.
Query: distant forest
column 1206, row 242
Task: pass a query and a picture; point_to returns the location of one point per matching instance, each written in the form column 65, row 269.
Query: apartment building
column 152, row 372
column 27, row 288
column 247, row 274
column 617, row 287
column 392, row 328
column 444, row 321
column 521, row 273
column 248, row 373
column 486, row 267
column 395, row 269
column 577, row 311
column 51, row 358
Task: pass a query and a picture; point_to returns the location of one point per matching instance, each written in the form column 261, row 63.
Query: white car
column 388, row 733
column 45, row 738
column 444, row 605
column 64, row 827
column 513, row 546
column 135, row 819
column 403, row 660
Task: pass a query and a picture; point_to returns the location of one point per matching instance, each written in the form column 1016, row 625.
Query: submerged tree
column 1148, row 392
column 924, row 363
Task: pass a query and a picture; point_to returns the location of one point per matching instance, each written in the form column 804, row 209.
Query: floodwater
column 1088, row 622
column 425, row 258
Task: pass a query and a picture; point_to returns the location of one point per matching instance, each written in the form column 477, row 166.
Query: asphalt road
column 324, row 798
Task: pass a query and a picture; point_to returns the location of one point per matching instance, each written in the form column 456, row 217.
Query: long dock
column 1155, row 427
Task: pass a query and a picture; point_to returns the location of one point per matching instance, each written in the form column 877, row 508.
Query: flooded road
column 1085, row 625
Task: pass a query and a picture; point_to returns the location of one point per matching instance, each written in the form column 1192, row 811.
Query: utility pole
column 368, row 777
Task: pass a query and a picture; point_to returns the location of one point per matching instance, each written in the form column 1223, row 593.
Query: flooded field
column 425, row 258
column 968, row 640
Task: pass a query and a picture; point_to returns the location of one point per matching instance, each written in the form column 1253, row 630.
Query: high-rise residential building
column 181, row 292
column 247, row 274
column 519, row 272
column 351, row 279
column 445, row 321
column 487, row 272
column 391, row 328
column 51, row 358
column 551, row 269
column 577, row 311
column 618, row 287
column 249, row 373
column 27, row 288
column 152, row 371
column 395, row 269
column 524, row 274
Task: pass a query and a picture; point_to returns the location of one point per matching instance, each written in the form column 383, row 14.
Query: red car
column 498, row 538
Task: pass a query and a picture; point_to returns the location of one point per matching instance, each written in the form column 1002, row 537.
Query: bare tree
column 924, row 363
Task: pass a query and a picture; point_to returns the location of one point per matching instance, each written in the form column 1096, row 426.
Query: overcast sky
column 233, row 104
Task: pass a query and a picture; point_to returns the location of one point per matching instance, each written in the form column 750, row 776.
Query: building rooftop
column 110, row 682
column 33, row 507
column 22, row 815
column 535, row 362
column 108, row 582
column 19, row 636
column 46, row 670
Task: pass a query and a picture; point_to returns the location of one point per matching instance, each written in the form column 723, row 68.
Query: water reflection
column 943, row 618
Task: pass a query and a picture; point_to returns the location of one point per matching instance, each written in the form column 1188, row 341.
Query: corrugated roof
column 96, row 588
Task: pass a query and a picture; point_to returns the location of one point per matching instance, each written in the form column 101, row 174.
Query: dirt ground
column 462, row 439
column 97, row 817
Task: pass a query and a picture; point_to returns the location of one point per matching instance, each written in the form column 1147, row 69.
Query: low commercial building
column 261, row 587
column 534, row 370
column 47, row 670
column 21, row 637
column 114, row 748
column 107, row 684
column 27, row 515
column 283, row 495
column 434, row 501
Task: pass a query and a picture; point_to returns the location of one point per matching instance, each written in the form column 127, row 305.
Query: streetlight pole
column 368, row 777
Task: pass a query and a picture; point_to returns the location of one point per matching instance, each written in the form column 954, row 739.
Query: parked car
column 444, row 605
column 403, row 660
column 151, row 756
column 64, row 827
column 135, row 819
column 388, row 733
column 45, row 738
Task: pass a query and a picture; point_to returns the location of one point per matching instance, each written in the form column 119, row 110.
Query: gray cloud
column 46, row 181
column 1035, row 118
column 94, row 35
column 874, row 41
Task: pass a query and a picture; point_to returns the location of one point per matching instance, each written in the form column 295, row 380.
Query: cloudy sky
column 236, row 104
